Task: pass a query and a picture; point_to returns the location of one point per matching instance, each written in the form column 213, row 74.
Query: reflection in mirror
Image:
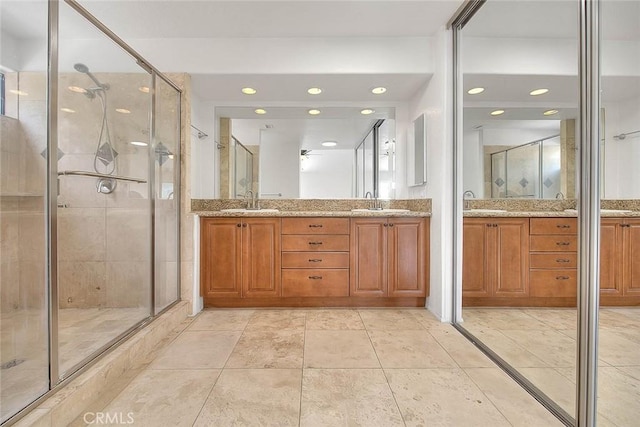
column 619, row 316
column 295, row 155
column 417, row 152
column 519, row 67
column 243, row 170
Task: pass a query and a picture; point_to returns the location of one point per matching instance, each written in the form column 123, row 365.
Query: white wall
column 327, row 174
column 436, row 102
column 473, row 163
column 205, row 157
column 279, row 166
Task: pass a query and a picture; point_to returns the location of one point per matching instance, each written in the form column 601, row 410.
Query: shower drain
column 11, row 363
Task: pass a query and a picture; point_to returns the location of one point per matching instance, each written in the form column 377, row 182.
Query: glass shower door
column 104, row 205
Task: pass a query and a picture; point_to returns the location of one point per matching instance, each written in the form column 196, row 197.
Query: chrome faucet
column 252, row 203
column 375, row 204
column 560, row 195
column 467, row 202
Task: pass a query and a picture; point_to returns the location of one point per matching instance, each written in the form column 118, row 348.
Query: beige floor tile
column 555, row 318
column 276, row 320
column 333, row 320
column 463, row 352
column 445, row 397
column 615, row 349
column 618, row 396
column 339, row 349
column 254, row 397
column 550, row 346
column 426, row 318
column 409, row 349
column 347, row 397
column 502, row 318
column 612, row 317
column 389, row 320
column 511, row 400
column 632, row 371
column 198, row 350
column 165, row 398
column 514, row 354
column 221, row 320
column 554, row 384
column 268, row 349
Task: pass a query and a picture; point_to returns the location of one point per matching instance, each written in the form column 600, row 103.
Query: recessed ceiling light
column 537, row 92
column 144, row 89
column 475, row 90
column 550, row 112
column 139, row 143
column 314, row 112
column 367, row 111
column 314, row 91
column 497, row 112
column 249, row 91
column 123, row 111
column 378, row 90
column 329, row 144
column 18, row 92
column 67, row 110
column 77, row 89
column 260, row 111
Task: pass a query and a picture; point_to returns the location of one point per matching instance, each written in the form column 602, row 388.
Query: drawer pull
column 315, row 260
column 238, row 225
column 563, row 260
column 315, row 225
column 315, row 243
column 315, row 277
column 390, row 225
column 562, row 277
column 563, row 226
column 563, row 243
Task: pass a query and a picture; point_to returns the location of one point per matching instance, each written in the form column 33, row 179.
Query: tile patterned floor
column 541, row 344
column 324, row 367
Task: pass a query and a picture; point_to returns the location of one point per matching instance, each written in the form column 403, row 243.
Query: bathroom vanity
column 314, row 259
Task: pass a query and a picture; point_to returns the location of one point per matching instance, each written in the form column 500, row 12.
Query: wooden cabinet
column 554, row 246
column 315, row 257
column 389, row 257
column 240, row 257
column 620, row 257
column 495, row 257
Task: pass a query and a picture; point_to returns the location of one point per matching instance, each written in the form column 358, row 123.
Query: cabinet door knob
column 315, row 277
column 562, row 243
column 238, row 225
column 562, row 277
column 563, row 226
column 315, row 260
column 244, row 225
column 315, row 243
column 391, row 225
column 562, row 260
column 386, row 225
column 315, row 225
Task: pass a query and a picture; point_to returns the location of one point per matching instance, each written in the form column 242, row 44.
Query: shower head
column 85, row 70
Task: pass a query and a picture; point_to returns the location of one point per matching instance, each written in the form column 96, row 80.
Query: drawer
column 553, row 283
column 541, row 243
column 553, row 226
column 555, row 260
column 315, row 260
column 317, row 243
column 315, row 283
column 315, row 225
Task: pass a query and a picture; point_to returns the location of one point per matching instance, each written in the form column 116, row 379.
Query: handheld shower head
column 85, row 70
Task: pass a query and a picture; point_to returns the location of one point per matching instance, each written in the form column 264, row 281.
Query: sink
column 382, row 210
column 485, row 210
column 248, row 210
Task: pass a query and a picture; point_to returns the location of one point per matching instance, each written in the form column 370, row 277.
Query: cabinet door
column 406, row 257
column 475, row 280
column 368, row 257
column 610, row 257
column 512, row 268
column 261, row 257
column 632, row 257
column 220, row 254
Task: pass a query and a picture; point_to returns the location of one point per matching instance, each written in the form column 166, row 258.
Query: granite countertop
column 285, row 214
column 544, row 214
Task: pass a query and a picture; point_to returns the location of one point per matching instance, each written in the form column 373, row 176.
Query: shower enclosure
column 89, row 195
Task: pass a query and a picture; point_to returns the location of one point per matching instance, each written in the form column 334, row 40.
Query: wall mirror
column 337, row 153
